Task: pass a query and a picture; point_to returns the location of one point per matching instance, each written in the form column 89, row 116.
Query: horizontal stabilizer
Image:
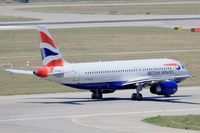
column 20, row 71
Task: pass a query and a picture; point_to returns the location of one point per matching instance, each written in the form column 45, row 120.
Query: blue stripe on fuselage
column 117, row 85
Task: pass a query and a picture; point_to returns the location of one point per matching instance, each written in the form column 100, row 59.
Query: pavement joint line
column 117, row 53
column 103, row 114
column 77, row 121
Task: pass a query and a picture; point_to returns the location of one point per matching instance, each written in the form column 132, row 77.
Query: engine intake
column 164, row 88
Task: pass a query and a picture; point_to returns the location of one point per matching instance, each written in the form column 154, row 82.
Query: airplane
column 161, row 75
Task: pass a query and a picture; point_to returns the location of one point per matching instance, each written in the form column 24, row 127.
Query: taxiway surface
column 71, row 20
column 76, row 112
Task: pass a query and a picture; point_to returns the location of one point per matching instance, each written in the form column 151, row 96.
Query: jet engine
column 164, row 88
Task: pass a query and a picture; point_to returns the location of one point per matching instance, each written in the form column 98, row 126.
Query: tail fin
column 51, row 55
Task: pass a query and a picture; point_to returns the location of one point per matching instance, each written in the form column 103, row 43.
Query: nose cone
column 42, row 72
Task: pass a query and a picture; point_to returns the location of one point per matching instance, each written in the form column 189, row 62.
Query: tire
column 167, row 95
column 100, row 96
column 94, row 96
column 139, row 97
column 134, row 96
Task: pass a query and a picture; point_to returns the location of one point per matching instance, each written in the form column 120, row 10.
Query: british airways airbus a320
column 162, row 75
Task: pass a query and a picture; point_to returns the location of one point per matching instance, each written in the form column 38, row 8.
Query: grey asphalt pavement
column 76, row 112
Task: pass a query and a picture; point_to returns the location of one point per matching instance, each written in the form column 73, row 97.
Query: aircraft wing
column 30, row 72
column 151, row 80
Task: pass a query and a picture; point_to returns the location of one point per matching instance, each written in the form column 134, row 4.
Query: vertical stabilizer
column 51, row 55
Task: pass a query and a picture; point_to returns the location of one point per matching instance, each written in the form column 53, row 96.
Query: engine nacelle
column 164, row 88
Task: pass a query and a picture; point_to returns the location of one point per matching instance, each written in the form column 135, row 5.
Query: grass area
column 13, row 19
column 157, row 9
column 184, row 122
column 25, row 84
column 77, row 44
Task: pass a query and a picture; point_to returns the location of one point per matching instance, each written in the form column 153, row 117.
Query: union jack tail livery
column 51, row 55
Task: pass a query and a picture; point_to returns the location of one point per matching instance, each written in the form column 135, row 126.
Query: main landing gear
column 137, row 96
column 97, row 94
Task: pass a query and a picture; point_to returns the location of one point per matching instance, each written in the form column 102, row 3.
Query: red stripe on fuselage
column 171, row 64
column 45, row 39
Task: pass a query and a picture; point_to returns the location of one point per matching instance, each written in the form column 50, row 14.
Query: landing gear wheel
column 100, row 96
column 167, row 95
column 139, row 97
column 93, row 96
column 97, row 95
column 134, row 96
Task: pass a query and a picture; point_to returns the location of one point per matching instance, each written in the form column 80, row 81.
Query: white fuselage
column 102, row 73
